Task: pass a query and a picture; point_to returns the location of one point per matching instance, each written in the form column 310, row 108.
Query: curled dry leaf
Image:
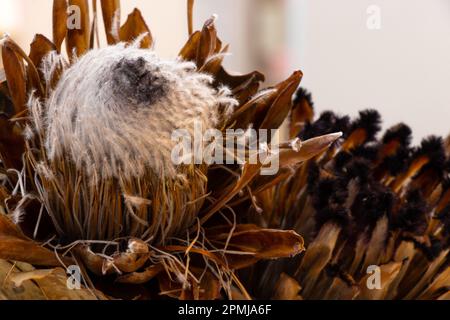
column 18, row 278
column 15, row 246
column 134, row 27
column 283, row 103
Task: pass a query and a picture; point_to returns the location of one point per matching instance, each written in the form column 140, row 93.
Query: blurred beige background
column 402, row 68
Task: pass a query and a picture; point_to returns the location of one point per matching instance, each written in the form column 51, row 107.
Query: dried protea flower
column 367, row 208
column 88, row 177
column 108, row 125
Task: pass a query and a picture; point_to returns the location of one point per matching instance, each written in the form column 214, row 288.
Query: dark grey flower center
column 133, row 81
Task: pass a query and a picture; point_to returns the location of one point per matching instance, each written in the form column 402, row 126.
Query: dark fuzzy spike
column 371, row 204
column 412, row 217
column 313, row 176
column 323, row 192
column 397, row 163
column 369, row 120
column 328, row 122
column 338, row 216
column 400, row 132
column 368, row 152
column 433, row 148
column 341, row 160
column 359, row 168
column 303, row 94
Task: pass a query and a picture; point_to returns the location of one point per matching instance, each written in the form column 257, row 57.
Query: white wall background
column 403, row 69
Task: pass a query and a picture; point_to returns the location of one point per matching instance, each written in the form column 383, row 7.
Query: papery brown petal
column 213, row 64
column 39, row 49
column 445, row 296
column 287, row 288
column 244, row 115
column 189, row 51
column 8, row 291
column 8, row 228
column 111, row 18
column 282, row 105
column 263, row 243
column 207, row 44
column 341, row 290
column 309, row 149
column 94, row 28
column 317, row 256
column 59, row 22
column 428, row 275
column 15, row 76
column 54, row 286
column 190, row 16
column 27, row 251
column 134, row 27
column 31, row 73
column 16, row 247
column 78, row 39
column 441, row 281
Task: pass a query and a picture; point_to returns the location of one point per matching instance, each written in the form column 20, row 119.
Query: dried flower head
column 115, row 109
